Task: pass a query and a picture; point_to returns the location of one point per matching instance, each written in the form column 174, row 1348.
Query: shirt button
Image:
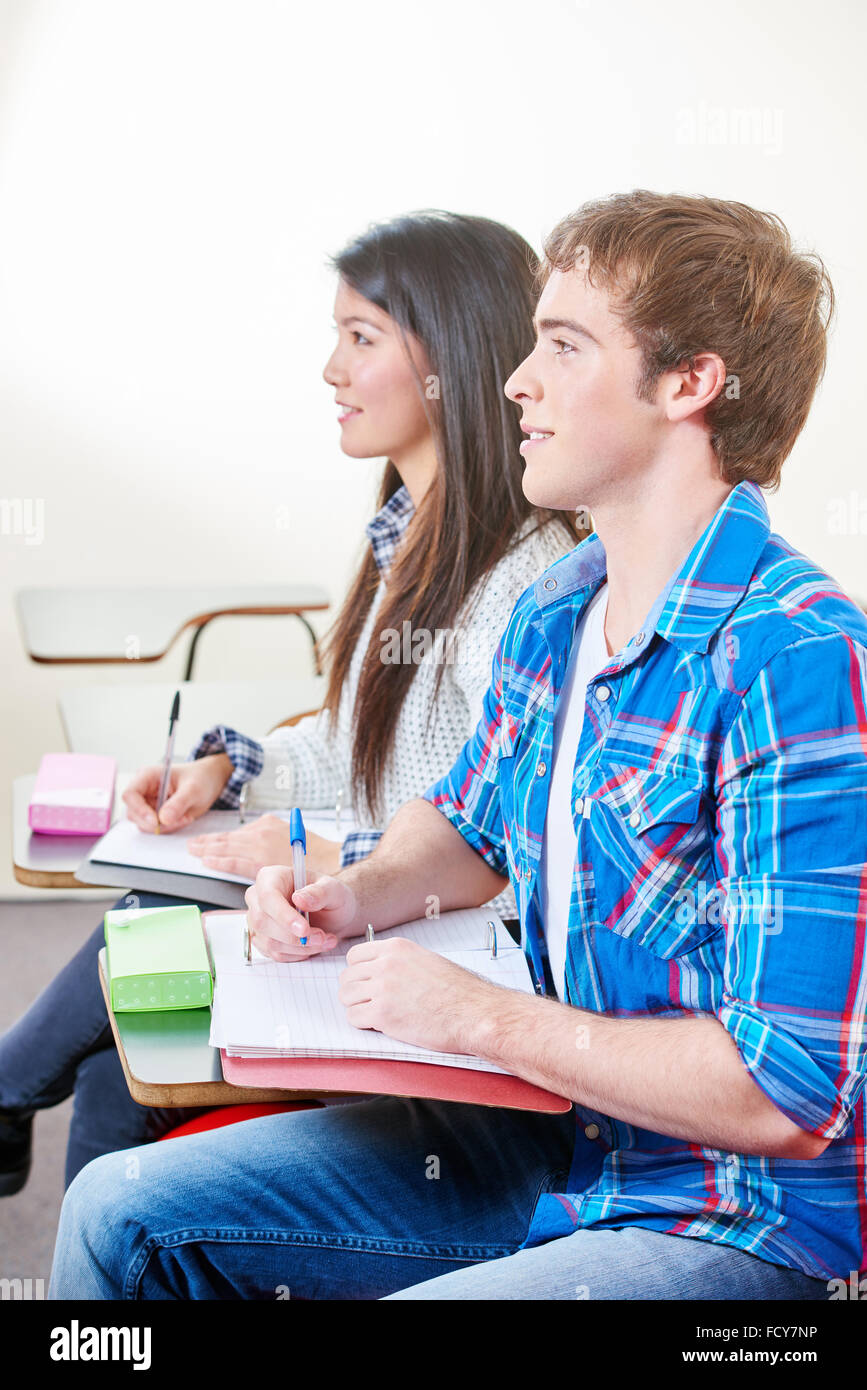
column 579, row 806
column 592, row 1131
column 635, row 818
column 550, row 583
column 541, row 769
column 602, row 692
column 528, row 872
column 639, row 639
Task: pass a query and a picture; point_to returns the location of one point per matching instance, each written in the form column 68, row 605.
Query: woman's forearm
column 303, row 767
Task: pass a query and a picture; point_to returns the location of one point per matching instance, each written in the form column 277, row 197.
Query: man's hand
column 413, row 994
column 276, row 924
column 264, row 841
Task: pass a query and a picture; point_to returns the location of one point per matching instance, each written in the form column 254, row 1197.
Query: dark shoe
column 16, row 1136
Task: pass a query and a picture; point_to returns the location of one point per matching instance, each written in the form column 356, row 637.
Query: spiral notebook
column 274, row 1009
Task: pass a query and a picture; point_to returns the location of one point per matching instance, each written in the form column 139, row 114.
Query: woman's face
column 380, row 406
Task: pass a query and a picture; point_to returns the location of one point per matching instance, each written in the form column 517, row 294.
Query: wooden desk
column 50, row 861
column 128, row 722
column 99, row 625
column 167, row 1059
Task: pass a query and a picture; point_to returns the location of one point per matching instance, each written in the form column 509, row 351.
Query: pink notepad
column 73, row 795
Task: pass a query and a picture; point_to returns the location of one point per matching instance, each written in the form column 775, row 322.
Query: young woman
column 433, row 311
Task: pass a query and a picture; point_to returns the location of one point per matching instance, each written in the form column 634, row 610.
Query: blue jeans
column 63, row 1045
column 362, row 1201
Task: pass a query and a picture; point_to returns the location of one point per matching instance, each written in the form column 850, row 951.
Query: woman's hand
column 275, row 920
column 264, row 841
column 193, row 789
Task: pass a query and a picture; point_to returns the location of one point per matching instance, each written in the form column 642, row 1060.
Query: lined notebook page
column 126, row 845
column 272, row 1009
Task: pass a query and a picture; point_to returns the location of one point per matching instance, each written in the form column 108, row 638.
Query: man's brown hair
column 689, row 275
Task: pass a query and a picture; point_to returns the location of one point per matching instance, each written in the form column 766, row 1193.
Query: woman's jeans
column 64, row 1044
column 363, row 1200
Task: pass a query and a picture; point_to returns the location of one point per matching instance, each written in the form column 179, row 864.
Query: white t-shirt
column 588, row 655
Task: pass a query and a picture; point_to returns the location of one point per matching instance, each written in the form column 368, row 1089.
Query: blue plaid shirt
column 719, row 799
column 385, row 533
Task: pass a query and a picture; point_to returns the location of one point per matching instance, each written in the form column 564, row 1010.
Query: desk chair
column 93, row 624
column 293, row 719
column 233, row 1114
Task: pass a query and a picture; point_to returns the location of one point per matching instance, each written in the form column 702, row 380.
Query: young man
column 672, row 768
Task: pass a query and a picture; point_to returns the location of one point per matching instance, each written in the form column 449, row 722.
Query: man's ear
column 692, row 386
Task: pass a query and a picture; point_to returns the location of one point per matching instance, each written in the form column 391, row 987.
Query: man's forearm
column 420, row 858
column 682, row 1077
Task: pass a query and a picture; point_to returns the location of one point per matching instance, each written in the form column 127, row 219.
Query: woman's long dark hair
column 464, row 286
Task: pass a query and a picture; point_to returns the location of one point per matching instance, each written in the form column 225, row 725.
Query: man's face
column 577, row 389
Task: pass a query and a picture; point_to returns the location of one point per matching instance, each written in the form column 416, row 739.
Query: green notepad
column 157, row 959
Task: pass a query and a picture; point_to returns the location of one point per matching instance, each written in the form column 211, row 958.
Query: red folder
column 372, row 1075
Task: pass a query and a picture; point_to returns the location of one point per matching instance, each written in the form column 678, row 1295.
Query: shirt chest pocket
column 521, row 727
column 653, row 860
column 510, row 732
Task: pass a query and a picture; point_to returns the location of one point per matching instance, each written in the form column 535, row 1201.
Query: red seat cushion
column 233, row 1114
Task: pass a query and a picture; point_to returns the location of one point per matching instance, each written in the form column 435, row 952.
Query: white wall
column 173, row 174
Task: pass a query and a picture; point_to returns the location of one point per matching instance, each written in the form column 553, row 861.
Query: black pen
column 170, row 748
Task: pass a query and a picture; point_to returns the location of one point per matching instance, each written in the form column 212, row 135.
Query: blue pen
column 298, row 841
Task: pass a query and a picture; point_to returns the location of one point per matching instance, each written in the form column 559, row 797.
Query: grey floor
column 35, row 940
